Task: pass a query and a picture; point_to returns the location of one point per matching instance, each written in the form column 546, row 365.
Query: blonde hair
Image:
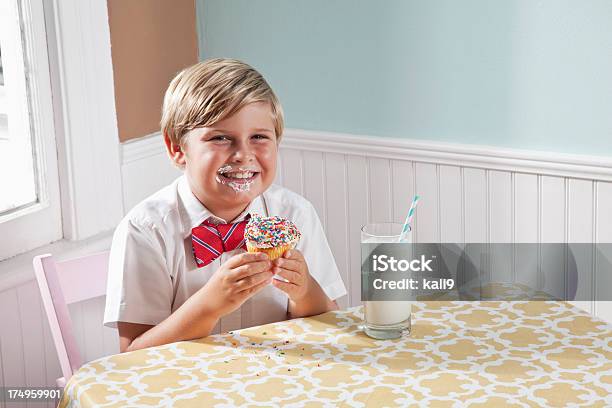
column 212, row 90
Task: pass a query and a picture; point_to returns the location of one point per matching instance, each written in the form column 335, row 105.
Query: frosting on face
column 239, row 179
column 240, row 187
column 226, row 168
column 270, row 232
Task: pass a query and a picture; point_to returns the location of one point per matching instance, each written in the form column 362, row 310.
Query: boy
column 221, row 124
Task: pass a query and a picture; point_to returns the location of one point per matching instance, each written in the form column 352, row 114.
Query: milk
column 386, row 313
column 392, row 312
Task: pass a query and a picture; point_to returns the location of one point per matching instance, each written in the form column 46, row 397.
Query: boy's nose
column 243, row 153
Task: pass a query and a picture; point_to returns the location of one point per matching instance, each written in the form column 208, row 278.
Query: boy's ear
column 175, row 151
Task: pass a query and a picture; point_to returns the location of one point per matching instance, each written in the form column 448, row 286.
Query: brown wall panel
column 151, row 40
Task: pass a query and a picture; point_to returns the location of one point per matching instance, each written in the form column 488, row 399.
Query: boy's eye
column 261, row 137
column 219, row 138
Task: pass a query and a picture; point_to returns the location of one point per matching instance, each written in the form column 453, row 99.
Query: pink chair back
column 64, row 283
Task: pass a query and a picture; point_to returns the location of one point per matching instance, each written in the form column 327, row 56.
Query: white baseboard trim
column 142, row 148
column 484, row 157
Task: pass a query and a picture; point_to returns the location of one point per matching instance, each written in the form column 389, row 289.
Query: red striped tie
column 210, row 240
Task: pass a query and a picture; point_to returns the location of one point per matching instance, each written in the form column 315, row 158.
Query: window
column 18, row 185
column 30, row 212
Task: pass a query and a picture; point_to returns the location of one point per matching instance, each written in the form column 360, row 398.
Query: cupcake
column 272, row 235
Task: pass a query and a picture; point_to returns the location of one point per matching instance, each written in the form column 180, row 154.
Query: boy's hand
column 241, row 277
column 292, row 267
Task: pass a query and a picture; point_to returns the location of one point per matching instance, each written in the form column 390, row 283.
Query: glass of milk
column 385, row 319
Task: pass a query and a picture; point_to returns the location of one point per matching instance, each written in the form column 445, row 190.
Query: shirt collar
column 195, row 212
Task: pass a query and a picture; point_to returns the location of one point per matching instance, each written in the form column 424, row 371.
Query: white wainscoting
column 28, row 356
column 470, row 194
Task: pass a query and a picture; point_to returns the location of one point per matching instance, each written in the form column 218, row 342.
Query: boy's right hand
column 239, row 278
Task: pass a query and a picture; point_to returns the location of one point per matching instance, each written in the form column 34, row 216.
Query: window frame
column 39, row 223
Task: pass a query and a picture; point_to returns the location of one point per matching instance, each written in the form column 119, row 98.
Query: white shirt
column 152, row 270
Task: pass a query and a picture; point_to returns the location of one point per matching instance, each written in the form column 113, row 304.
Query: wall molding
column 138, row 158
column 142, row 148
column 89, row 142
column 455, row 154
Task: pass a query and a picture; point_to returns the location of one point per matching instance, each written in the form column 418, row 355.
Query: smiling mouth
column 240, row 177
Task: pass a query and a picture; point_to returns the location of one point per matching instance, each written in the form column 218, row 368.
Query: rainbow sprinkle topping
column 270, row 232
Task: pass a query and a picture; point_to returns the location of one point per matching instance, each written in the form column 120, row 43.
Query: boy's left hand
column 292, row 267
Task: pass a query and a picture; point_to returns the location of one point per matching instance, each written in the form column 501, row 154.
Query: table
column 477, row 354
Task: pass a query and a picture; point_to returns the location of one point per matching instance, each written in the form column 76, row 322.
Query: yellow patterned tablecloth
column 476, row 354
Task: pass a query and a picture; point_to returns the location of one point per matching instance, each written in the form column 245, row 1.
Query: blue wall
column 526, row 74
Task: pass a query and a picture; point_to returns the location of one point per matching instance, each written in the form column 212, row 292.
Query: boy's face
column 232, row 162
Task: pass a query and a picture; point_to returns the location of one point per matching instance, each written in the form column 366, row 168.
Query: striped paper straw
column 407, row 224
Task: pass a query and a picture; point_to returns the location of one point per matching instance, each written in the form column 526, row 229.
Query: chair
column 64, row 283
